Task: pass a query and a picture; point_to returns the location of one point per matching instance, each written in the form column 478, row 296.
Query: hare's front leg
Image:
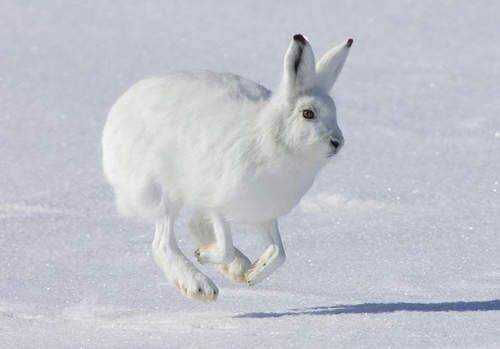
column 271, row 259
column 203, row 231
column 222, row 249
column 177, row 268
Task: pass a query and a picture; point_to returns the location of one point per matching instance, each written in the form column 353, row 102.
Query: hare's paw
column 236, row 270
column 272, row 258
column 193, row 284
column 212, row 254
column 198, row 287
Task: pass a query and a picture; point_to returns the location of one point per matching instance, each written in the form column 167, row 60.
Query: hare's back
column 200, row 87
column 187, row 102
column 180, row 96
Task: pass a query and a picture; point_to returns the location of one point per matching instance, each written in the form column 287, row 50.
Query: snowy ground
column 397, row 244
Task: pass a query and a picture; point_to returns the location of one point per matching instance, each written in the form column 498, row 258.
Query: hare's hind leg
column 271, row 259
column 203, row 231
column 177, row 268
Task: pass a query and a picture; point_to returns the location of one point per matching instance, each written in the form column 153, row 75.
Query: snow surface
column 395, row 246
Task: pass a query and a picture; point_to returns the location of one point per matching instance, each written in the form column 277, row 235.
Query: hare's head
column 306, row 112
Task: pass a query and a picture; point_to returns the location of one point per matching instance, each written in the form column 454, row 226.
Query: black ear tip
column 300, row 38
column 349, row 42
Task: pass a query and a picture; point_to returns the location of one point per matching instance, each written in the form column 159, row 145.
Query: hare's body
column 227, row 148
column 205, row 151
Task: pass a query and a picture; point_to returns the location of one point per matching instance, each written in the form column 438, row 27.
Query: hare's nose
column 336, row 144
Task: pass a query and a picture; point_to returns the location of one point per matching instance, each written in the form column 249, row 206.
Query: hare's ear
column 329, row 66
column 299, row 67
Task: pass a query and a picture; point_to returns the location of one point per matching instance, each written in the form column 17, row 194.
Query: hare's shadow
column 377, row 308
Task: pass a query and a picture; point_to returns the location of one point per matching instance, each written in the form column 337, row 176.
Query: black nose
column 335, row 143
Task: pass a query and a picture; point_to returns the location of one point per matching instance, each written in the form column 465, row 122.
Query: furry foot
column 190, row 281
column 197, row 287
column 212, row 254
column 265, row 265
column 236, row 270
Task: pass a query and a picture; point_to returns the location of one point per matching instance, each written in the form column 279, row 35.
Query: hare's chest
column 268, row 195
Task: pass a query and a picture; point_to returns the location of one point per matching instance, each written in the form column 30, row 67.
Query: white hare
column 227, row 148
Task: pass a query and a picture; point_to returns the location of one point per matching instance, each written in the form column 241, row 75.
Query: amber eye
column 308, row 114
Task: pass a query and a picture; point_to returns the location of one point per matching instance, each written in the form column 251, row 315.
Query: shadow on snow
column 377, row 308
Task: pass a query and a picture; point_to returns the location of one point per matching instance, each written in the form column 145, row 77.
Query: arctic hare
column 227, row 148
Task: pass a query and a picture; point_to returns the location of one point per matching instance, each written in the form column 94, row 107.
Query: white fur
column 227, row 147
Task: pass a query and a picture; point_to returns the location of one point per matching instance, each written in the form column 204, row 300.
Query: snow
column 396, row 245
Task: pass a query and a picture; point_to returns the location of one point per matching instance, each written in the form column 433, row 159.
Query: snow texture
column 396, row 245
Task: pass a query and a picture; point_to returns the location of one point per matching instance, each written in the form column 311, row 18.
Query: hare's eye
column 308, row 114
